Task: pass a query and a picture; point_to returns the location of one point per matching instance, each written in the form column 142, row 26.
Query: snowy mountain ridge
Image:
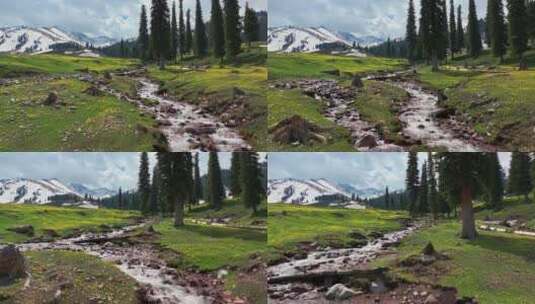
column 24, row 39
column 40, row 191
column 309, row 192
column 289, row 39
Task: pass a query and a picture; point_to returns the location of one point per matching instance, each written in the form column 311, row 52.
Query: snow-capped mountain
column 95, row 193
column 312, row 39
column 41, row 191
column 309, row 192
column 362, row 193
column 23, row 39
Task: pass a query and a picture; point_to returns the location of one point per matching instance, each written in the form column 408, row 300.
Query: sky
column 112, row 18
column 95, row 170
column 362, row 170
column 382, row 18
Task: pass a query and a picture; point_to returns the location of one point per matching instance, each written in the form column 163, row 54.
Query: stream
column 163, row 284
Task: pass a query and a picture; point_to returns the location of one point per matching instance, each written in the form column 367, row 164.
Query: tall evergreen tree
column 432, row 30
column 182, row 32
column 143, row 38
column 232, row 29
column 497, row 28
column 518, row 26
column 180, row 188
column 495, row 187
column 432, row 186
column 197, row 183
column 460, row 30
column 175, row 35
column 453, row 32
column 201, row 41
column 465, row 175
column 411, row 37
column 154, row 192
column 165, row 183
column 445, row 31
column 251, row 187
column 144, row 183
column 216, row 192
column 520, row 182
column 235, row 180
column 120, row 199
column 160, row 31
column 474, row 36
column 423, row 192
column 411, row 181
column 387, row 198
column 250, row 25
column 217, row 29
column 189, row 34
column 531, row 19
column 444, row 199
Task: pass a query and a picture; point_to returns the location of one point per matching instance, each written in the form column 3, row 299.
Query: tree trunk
column 435, row 61
column 467, row 215
column 179, row 214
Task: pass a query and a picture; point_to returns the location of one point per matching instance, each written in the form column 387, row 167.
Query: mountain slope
column 33, row 191
column 309, row 192
column 23, row 39
column 290, row 39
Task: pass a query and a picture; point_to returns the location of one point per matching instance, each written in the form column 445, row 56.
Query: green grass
column 19, row 65
column 211, row 247
column 89, row 276
column 513, row 208
column 290, row 224
column 314, row 65
column 233, row 209
column 215, row 86
column 85, row 123
column 496, row 268
column 63, row 220
column 287, row 103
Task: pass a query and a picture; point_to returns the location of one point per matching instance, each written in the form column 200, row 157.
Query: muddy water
column 139, row 262
column 186, row 126
column 338, row 260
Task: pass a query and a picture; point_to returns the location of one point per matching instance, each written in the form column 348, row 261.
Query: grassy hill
column 62, row 220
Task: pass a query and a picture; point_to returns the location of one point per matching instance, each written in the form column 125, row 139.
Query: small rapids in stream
column 163, row 284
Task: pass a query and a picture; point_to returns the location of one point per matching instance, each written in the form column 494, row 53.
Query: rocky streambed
column 158, row 282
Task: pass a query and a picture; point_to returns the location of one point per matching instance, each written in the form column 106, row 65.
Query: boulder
column 93, row 91
column 22, row 229
column 429, row 249
column 431, row 299
column 340, row 292
column 12, row 263
column 51, row 99
column 357, row 82
column 368, row 141
column 378, row 287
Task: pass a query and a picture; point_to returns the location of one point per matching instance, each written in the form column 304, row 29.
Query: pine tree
column 144, row 183
column 232, row 29
column 453, row 32
column 411, row 181
column 387, row 199
column 497, row 28
column 164, row 181
column 445, row 31
column 520, row 182
column 180, row 184
column 120, row 199
column 432, row 186
column 464, row 176
column 423, row 192
column 518, row 24
column 460, row 30
column 531, row 19
column 474, row 36
column 181, row 32
column 217, row 29
column 432, row 30
column 175, row 32
column 143, row 39
column 201, row 41
column 189, row 34
column 250, row 25
column 160, row 31
column 215, row 185
column 496, row 182
column 235, row 180
column 154, row 192
column 251, row 187
column 197, row 184
column 411, row 37
column 444, row 199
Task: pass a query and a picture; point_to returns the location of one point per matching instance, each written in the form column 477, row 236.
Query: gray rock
column 378, row 287
column 12, row 262
column 357, row 82
column 340, row 292
column 368, row 141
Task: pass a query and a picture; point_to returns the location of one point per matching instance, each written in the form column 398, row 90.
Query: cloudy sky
column 384, row 18
column 362, row 170
column 109, row 170
column 113, row 18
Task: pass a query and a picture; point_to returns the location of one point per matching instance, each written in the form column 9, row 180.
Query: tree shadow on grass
column 223, row 232
column 521, row 247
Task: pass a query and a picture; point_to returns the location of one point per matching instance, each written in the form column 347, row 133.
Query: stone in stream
column 12, row 263
column 340, row 292
column 51, row 99
column 357, row 82
column 377, row 287
column 22, row 229
column 368, row 141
